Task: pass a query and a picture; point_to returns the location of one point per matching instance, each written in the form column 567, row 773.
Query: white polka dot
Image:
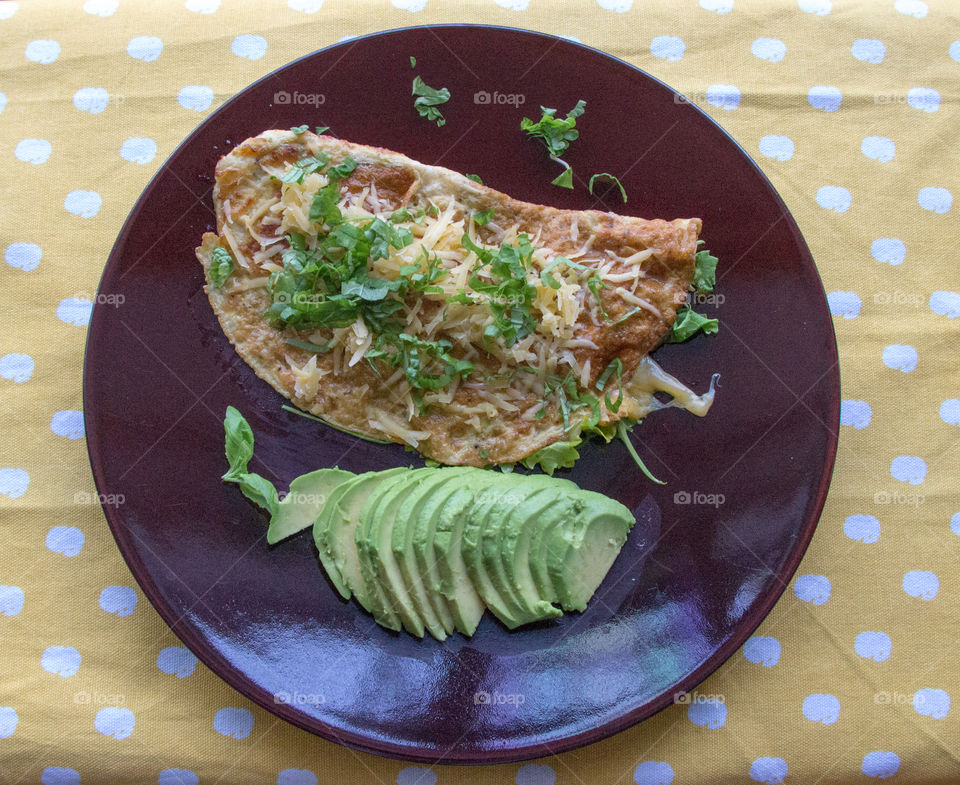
column 935, row 199
column 878, row 148
column 915, row 8
column 145, row 47
column 177, row 777
column 43, row 51
column 305, row 6
column 900, row 357
column 8, row 721
column 13, row 484
column 779, row 148
column 667, row 47
column 769, row 771
column 17, row 368
column 923, row 99
column 946, row 304
column 880, row 765
column 862, row 528
column 888, row 250
column 3, row 102
column 118, row 600
column 234, row 723
column 874, row 646
column 86, row 204
column 307, row 777
column 717, row 6
column 65, row 540
column 11, row 598
column 824, row 709
column 75, row 311
column 620, row 6
column 177, row 661
column 67, row 423
column 845, row 304
column 63, row 661
column 955, row 523
column 413, row 6
column 202, row 6
column 250, row 47
column 101, row 8
column 8, row 9
column 814, row 589
column 115, row 721
column 949, row 410
column 834, row 197
column 772, row 50
column 723, row 96
column 91, row 99
column 869, row 50
column 762, row 650
column 654, row 772
column 196, row 97
column 908, row 468
column 818, row 7
column 33, row 151
column 708, row 713
column 513, row 5
column 934, row 703
column 58, row 775
column 955, row 51
column 138, row 150
column 856, row 414
column 825, row 97
column 922, row 584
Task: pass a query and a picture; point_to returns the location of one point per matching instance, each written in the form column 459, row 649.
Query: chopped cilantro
column 307, row 346
column 564, row 179
column 304, row 166
column 475, row 177
column 428, row 99
column 221, row 265
column 570, row 398
column 607, row 176
column 616, row 367
column 320, row 130
column 413, row 61
column 688, row 323
column 555, row 133
column 484, row 217
column 299, row 129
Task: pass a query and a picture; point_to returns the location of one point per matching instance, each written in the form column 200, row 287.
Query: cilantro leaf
column 555, row 133
column 688, row 323
column 304, row 166
column 564, row 179
column 484, row 217
column 221, row 265
column 320, row 130
column 475, row 177
column 428, row 99
column 705, row 274
column 608, row 176
column 299, row 129
column 413, row 61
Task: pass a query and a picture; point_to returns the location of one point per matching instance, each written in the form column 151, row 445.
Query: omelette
column 410, row 303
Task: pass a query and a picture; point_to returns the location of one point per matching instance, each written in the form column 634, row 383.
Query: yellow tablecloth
column 850, row 107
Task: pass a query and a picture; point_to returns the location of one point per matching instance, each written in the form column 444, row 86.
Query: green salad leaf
column 688, row 324
column 705, row 274
column 559, row 455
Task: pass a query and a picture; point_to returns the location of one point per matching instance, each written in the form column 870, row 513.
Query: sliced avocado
column 419, row 574
column 479, row 517
column 337, row 537
column 580, row 555
column 300, row 507
column 321, row 529
column 563, row 513
column 521, row 523
column 449, row 588
column 455, row 582
column 374, row 539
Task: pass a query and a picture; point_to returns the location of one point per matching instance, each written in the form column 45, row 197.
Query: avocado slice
column 448, row 588
column 410, row 547
column 483, row 515
column 578, row 556
column 300, row 507
column 564, row 512
column 455, row 582
column 336, row 536
column 374, row 538
column 321, row 529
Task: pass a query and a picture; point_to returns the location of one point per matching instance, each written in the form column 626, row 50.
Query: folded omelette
column 411, row 303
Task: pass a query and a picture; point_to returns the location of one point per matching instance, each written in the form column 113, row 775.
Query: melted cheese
column 650, row 378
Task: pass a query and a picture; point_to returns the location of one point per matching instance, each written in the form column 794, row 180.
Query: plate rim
column 221, row 667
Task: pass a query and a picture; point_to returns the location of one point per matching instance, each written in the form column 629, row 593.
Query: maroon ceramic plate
column 713, row 549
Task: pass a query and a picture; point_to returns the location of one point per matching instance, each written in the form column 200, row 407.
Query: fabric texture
column 849, row 107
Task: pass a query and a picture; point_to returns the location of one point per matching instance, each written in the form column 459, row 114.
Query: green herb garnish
column 413, row 61
column 238, row 447
column 607, row 176
column 564, row 179
column 688, row 323
column 320, row 130
column 556, row 135
column 705, row 274
column 475, row 177
column 428, row 99
column 299, row 129
column 305, row 166
column 221, row 265
column 484, row 217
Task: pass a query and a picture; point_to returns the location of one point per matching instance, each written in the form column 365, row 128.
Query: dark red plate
column 714, row 548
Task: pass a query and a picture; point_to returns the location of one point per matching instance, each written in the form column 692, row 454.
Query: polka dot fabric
column 850, row 108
